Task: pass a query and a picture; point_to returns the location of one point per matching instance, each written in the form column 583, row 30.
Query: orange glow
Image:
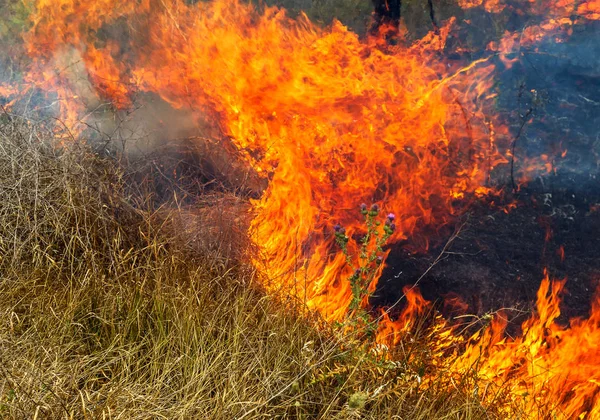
column 590, row 10
column 510, row 206
column 332, row 121
column 557, row 19
column 550, row 371
column 390, row 332
column 561, row 253
column 494, row 6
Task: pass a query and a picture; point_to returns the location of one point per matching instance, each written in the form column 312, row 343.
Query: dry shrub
column 216, row 225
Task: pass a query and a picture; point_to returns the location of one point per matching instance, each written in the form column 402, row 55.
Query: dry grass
column 104, row 314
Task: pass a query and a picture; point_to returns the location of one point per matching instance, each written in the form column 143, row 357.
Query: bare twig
column 524, row 120
column 441, row 256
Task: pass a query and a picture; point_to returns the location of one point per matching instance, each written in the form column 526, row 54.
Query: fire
column 331, row 121
column 556, row 18
column 390, row 332
column 590, row 10
column 561, row 253
column 550, row 370
column 495, row 6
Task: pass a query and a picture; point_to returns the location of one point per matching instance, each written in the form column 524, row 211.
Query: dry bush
column 199, row 198
column 104, row 314
column 217, row 225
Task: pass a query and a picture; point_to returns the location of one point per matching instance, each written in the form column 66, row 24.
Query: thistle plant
column 370, row 254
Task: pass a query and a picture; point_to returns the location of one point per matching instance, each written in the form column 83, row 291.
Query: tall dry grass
column 108, row 310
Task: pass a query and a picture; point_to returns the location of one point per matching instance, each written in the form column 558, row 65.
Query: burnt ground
column 497, row 259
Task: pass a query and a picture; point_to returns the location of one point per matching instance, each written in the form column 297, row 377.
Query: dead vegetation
column 113, row 308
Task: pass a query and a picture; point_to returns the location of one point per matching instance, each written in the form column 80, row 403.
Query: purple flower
column 337, row 228
column 375, row 208
column 391, row 217
column 379, row 259
column 363, row 207
column 393, row 227
column 357, row 272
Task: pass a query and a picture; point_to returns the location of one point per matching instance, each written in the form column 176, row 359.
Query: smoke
column 558, row 84
column 174, row 145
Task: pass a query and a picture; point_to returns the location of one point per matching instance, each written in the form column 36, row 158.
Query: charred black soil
column 496, row 258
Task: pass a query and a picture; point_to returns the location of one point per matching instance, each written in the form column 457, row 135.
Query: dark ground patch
column 497, row 259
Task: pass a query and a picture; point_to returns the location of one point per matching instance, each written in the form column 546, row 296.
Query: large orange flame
column 331, row 121
column 550, row 371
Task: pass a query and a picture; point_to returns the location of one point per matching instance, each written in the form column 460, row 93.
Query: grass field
column 107, row 311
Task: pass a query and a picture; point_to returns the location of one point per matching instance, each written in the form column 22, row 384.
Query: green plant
column 368, row 258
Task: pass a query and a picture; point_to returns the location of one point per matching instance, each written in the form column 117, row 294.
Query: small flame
column 561, row 253
column 550, row 370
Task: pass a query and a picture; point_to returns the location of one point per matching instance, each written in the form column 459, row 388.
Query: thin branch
column 442, row 256
column 514, row 145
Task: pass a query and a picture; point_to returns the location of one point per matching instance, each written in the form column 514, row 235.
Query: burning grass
column 106, row 314
column 120, row 301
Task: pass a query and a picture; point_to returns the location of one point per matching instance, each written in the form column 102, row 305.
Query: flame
column 389, row 332
column 493, row 6
column 549, row 371
column 331, row 121
column 552, row 9
column 561, row 253
column 556, row 18
column 590, row 10
column 551, row 367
